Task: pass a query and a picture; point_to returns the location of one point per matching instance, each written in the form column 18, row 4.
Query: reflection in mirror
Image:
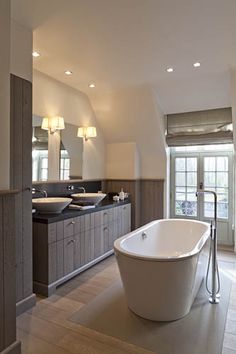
column 71, row 153
column 45, row 153
column 39, row 151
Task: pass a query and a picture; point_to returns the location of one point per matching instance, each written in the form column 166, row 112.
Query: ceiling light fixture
column 36, row 54
column 197, row 64
column 170, row 70
column 68, row 72
column 92, row 85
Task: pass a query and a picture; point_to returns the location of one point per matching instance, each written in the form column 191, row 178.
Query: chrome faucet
column 72, row 188
column 214, row 293
column 44, row 192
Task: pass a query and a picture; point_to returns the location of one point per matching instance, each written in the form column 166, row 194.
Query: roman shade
column 200, row 128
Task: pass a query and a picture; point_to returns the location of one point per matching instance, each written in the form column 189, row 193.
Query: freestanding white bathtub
column 162, row 265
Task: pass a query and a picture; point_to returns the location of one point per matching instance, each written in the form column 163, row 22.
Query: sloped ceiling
column 128, row 43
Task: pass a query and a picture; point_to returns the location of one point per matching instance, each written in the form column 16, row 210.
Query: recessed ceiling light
column 68, row 72
column 91, row 85
column 36, row 54
column 170, row 70
column 197, row 64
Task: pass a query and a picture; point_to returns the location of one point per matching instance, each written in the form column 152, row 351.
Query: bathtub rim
column 197, row 249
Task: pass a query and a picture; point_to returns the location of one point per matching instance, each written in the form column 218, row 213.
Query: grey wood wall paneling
column 147, row 198
column 2, row 309
column 21, row 178
column 26, row 187
column 9, row 269
column 152, row 199
column 8, row 341
column 132, row 187
column 17, row 174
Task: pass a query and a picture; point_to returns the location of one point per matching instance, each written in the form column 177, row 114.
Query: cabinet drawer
column 69, row 227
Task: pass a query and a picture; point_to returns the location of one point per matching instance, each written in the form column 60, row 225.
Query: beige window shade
column 200, row 128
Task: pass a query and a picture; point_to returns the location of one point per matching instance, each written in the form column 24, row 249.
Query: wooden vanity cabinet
column 65, row 248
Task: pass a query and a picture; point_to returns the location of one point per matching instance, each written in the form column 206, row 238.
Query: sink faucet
column 44, row 192
column 72, row 188
column 214, row 294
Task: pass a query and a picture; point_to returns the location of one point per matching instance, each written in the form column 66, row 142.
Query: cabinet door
column 89, row 245
column 112, row 234
column 60, row 259
column 69, row 251
column 77, row 252
column 105, row 231
column 125, row 219
column 98, row 241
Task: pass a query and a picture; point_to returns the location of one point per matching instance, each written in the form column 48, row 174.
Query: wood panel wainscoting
column 146, row 195
column 21, row 179
column 8, row 342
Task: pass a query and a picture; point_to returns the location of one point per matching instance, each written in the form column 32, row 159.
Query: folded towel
column 80, row 207
column 78, row 202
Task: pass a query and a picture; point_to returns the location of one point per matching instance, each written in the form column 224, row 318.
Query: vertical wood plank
column 9, row 270
column 2, row 310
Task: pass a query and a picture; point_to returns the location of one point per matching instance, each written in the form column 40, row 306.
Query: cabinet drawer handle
column 71, row 241
column 72, row 222
column 105, row 214
column 105, row 229
column 124, row 208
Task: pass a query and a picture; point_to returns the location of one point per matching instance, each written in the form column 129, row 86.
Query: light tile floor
column 47, row 329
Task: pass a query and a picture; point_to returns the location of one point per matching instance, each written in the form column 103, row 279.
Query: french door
column 211, row 171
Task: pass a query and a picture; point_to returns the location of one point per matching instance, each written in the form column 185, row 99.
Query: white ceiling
column 117, row 43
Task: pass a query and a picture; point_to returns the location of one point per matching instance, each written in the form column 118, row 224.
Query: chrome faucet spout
column 44, row 192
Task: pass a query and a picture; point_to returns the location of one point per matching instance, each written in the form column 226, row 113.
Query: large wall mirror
column 58, row 154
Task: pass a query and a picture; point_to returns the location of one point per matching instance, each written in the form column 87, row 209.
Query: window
column 64, row 165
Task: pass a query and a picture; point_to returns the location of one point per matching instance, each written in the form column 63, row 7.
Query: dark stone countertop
column 69, row 213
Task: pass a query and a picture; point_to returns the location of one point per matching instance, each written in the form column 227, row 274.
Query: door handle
column 201, row 185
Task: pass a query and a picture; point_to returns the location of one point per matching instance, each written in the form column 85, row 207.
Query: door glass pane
column 216, row 176
column 191, row 164
column 222, row 163
column 180, row 164
column 192, row 179
column 180, row 179
column 222, row 179
column 185, row 186
column 209, row 179
column 209, row 163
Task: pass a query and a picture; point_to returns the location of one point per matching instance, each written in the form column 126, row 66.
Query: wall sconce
column 53, row 123
column 87, row 132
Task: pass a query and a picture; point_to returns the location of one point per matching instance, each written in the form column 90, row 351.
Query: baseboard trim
column 14, row 348
column 48, row 289
column 25, row 304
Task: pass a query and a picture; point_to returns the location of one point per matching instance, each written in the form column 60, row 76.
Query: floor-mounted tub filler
column 162, row 266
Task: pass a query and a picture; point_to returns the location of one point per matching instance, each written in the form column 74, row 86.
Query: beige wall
column 52, row 98
column 132, row 114
column 122, row 161
column 4, row 93
column 21, row 51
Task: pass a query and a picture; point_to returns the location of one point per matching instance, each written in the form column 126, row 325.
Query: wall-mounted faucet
column 214, row 293
column 44, row 192
column 72, row 188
